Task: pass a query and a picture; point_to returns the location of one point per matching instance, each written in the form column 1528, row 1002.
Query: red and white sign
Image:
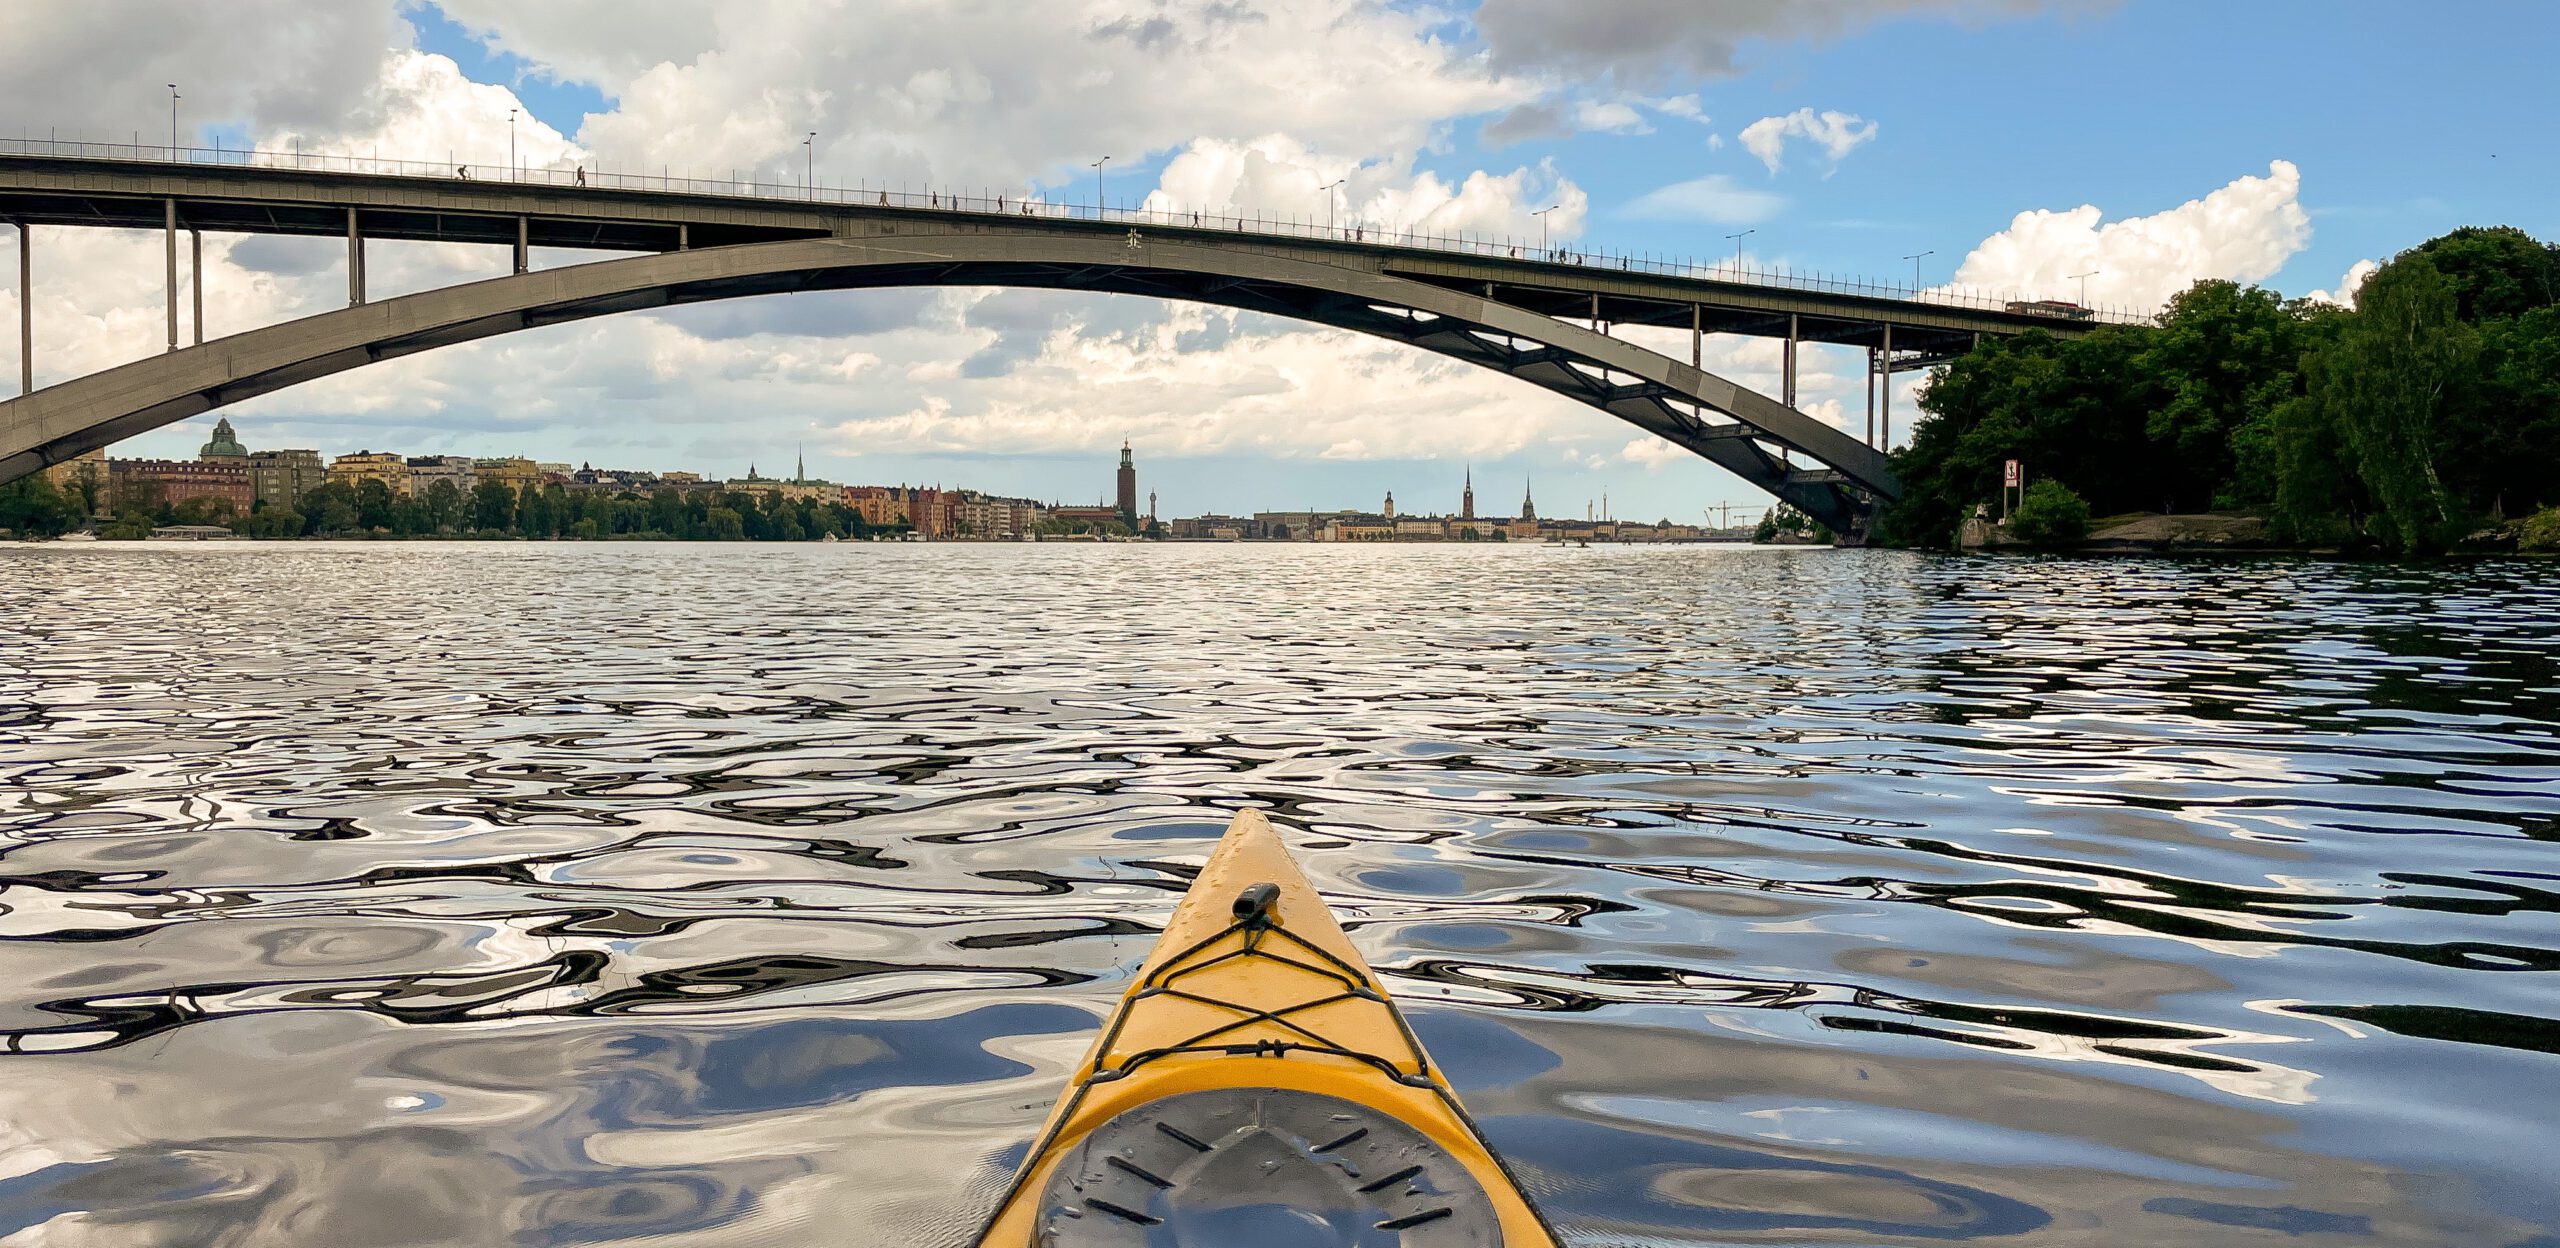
column 2009, row 475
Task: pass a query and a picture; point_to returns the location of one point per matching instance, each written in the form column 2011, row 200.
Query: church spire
column 1528, row 508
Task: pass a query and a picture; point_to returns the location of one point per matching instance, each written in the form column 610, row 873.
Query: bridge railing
column 1155, row 212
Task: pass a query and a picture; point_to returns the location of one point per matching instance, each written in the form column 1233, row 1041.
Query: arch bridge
column 1547, row 319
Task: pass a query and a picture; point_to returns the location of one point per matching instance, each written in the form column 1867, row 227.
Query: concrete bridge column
column 195, row 270
column 1790, row 387
column 171, row 230
column 355, row 261
column 1871, row 396
column 524, row 245
column 1698, row 339
column 26, row 312
column 1887, row 444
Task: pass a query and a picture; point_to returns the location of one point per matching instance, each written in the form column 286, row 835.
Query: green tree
column 269, row 522
column 2498, row 271
column 86, row 487
column 373, row 504
column 441, row 510
column 128, row 526
column 1782, row 519
column 2383, row 384
column 493, row 505
column 666, row 512
column 2502, row 436
column 2050, row 514
column 2319, row 498
column 34, row 506
column 2540, row 531
column 2078, row 410
column 330, row 508
column 2223, row 357
column 209, row 511
column 722, row 524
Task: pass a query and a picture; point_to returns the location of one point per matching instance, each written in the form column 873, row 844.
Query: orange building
column 880, row 506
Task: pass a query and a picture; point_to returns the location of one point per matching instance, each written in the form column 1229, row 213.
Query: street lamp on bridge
column 809, row 165
column 1915, row 267
column 512, row 175
column 2083, row 279
column 1327, row 191
column 173, row 121
column 1736, row 240
column 1541, row 215
column 1101, row 204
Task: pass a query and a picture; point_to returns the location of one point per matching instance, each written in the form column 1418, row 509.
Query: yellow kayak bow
column 1256, row 1086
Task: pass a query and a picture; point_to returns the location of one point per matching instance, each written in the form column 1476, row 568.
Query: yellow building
column 1360, row 529
column 514, row 471
column 89, row 465
column 354, row 470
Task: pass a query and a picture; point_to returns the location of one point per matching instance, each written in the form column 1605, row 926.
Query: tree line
column 490, row 509
column 2428, row 411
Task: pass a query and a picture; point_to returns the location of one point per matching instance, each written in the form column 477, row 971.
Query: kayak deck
column 1256, row 1084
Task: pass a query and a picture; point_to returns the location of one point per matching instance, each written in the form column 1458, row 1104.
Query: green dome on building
column 225, row 444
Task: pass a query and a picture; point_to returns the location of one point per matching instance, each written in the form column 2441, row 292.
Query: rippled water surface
column 502, row 894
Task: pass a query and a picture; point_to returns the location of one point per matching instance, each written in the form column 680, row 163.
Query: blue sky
column 2406, row 124
column 2402, row 123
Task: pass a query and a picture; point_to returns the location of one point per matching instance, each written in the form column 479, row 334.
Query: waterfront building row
column 1360, row 526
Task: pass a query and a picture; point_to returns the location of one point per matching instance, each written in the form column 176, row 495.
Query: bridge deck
column 58, row 190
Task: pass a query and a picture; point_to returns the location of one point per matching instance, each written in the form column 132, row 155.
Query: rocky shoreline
column 2212, row 532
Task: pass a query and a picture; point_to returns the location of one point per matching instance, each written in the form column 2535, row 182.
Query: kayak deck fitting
column 1256, row 1086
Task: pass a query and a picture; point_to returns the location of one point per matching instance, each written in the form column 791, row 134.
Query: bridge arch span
column 1829, row 475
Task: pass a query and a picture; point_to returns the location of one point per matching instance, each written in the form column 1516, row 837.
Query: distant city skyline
column 1184, row 486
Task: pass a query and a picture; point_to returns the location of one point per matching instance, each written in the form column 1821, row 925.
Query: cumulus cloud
column 993, row 95
column 1651, row 453
column 1279, row 172
column 422, row 107
column 1715, row 199
column 1297, row 392
column 2243, row 232
column 2345, row 295
column 100, row 69
column 1836, row 133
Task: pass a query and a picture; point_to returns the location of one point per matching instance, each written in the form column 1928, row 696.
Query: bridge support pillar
column 684, row 237
column 195, row 272
column 524, row 249
column 170, row 206
column 1871, row 396
column 1887, row 444
column 26, row 312
column 1790, row 386
column 355, row 261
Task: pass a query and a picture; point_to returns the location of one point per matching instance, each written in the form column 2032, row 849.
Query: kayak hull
column 1254, row 986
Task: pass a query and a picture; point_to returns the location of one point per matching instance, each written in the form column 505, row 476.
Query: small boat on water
column 1257, row 1088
